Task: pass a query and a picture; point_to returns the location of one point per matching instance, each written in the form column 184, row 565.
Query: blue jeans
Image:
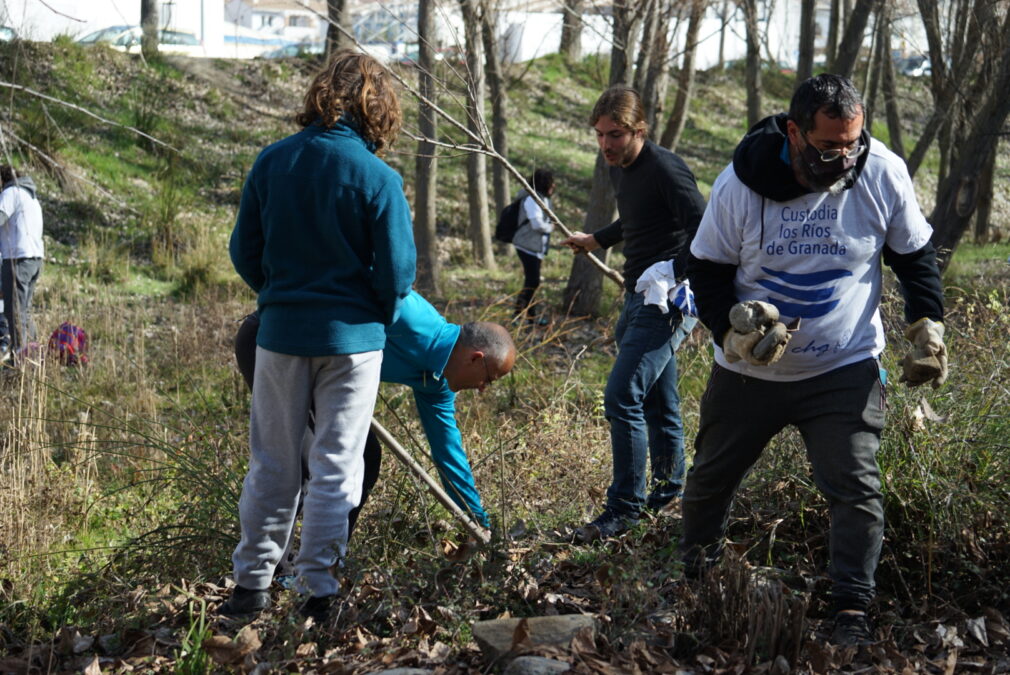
column 643, row 407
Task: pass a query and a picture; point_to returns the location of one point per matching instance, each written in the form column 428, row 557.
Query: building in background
column 527, row 29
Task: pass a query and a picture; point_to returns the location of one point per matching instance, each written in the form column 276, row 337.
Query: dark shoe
column 608, row 524
column 244, row 601
column 660, row 501
column 318, row 607
column 851, row 630
column 5, row 351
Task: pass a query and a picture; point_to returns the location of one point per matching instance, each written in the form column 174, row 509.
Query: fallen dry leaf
column 521, row 634
column 93, row 668
column 225, row 650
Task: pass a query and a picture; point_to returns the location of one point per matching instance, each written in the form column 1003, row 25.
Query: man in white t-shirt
column 792, row 241
column 22, row 250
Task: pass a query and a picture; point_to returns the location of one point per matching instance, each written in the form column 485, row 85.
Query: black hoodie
column 758, row 163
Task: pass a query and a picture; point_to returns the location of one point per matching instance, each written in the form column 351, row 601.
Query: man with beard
column 660, row 207
column 794, row 234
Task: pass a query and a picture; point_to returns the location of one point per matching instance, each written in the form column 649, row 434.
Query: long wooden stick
column 479, row 533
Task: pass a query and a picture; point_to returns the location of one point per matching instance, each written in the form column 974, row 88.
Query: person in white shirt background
column 22, row 250
column 531, row 241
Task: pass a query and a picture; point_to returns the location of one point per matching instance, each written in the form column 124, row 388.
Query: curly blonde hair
column 356, row 85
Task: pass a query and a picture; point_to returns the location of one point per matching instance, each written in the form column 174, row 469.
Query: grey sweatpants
column 840, row 415
column 343, row 390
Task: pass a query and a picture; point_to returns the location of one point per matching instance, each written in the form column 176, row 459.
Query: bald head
column 484, row 352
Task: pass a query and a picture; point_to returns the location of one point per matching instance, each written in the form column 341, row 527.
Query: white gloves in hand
column 757, row 336
column 927, row 362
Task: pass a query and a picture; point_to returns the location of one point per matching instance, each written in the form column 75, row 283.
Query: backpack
column 69, row 343
column 508, row 221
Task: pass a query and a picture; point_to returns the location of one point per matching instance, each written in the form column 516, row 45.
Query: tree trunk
column 957, row 196
column 752, row 78
column 585, row 283
column 476, row 162
column 724, row 17
column 985, row 197
column 805, row 62
column 650, row 26
column 852, row 39
column 337, row 16
column 685, row 80
column 499, row 105
column 655, row 79
column 571, row 31
column 946, row 83
column 873, row 71
column 429, row 267
column 149, row 27
column 890, row 92
column 627, row 18
column 831, row 46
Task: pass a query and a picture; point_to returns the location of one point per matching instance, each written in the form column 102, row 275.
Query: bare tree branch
column 28, row 90
column 480, row 144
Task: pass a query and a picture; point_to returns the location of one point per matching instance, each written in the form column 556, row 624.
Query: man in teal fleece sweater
column 324, row 237
column 436, row 359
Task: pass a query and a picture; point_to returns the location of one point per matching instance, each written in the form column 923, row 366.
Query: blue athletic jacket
column 418, row 345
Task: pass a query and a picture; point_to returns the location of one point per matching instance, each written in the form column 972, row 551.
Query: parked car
column 7, row 34
column 128, row 38
column 915, row 66
column 293, row 50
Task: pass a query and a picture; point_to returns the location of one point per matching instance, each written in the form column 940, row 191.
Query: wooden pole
column 479, row 533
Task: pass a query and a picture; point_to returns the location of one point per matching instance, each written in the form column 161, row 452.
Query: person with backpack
column 22, row 249
column 531, row 240
column 324, row 237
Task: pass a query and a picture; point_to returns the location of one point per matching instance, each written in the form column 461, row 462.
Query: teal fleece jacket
column 324, row 237
column 418, row 345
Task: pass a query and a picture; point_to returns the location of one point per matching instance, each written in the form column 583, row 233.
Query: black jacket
column 660, row 208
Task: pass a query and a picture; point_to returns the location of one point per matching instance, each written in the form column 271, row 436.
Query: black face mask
column 825, row 172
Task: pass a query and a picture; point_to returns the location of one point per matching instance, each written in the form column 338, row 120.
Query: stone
column 495, row 637
column 536, row 665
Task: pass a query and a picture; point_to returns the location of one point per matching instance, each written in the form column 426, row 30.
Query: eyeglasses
column 487, row 371
column 837, row 153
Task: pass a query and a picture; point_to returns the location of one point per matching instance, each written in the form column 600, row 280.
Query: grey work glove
column 927, row 362
column 757, row 335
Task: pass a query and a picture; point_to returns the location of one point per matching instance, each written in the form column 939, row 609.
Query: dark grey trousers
column 17, row 281
column 840, row 415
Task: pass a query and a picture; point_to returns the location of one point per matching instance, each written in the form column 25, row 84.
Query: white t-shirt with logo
column 21, row 237
column 817, row 258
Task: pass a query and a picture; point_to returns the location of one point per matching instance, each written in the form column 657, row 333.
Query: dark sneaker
column 244, row 601
column 608, row 524
column 318, row 607
column 851, row 630
column 658, row 502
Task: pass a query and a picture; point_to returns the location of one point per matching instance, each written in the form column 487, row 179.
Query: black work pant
column 531, row 282
column 840, row 415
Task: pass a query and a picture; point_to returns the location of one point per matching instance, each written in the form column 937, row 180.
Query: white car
column 127, row 39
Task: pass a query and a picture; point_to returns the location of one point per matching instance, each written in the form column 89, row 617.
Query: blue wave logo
column 806, row 301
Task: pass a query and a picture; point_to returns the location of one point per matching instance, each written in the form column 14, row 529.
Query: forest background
column 120, row 479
